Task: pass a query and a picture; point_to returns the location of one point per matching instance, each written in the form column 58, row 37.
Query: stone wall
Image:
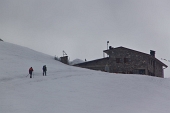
column 129, row 61
column 134, row 62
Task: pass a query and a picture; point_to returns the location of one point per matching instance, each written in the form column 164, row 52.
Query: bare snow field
column 68, row 89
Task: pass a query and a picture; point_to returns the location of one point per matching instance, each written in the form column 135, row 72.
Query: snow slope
column 68, row 89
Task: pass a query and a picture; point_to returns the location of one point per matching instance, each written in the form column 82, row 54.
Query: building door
column 141, row 71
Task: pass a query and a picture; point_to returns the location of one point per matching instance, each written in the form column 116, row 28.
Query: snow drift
column 68, row 89
column 76, row 61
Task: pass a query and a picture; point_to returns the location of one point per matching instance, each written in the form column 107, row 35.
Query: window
column 152, row 63
column 126, row 60
column 118, row 60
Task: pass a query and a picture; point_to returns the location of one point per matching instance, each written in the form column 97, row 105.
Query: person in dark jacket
column 30, row 71
column 44, row 70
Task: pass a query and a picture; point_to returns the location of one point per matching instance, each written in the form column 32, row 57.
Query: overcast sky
column 82, row 27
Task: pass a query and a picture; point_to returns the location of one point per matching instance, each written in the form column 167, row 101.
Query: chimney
column 152, row 53
column 110, row 47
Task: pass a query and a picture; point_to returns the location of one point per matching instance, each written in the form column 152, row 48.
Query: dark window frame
column 126, row 60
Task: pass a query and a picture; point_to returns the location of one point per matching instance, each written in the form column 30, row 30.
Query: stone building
column 127, row 61
column 64, row 59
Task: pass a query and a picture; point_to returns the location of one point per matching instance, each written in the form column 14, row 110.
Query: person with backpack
column 30, row 71
column 44, row 70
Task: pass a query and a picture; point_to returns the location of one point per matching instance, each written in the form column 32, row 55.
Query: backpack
column 44, row 68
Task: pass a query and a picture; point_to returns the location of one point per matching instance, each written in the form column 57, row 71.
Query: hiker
column 44, row 70
column 30, row 71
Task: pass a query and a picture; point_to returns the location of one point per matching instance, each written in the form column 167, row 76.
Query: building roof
column 150, row 56
column 91, row 61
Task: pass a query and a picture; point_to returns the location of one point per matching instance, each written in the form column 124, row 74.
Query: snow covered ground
column 68, row 89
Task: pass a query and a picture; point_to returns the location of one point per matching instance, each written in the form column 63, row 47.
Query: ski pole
column 27, row 75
